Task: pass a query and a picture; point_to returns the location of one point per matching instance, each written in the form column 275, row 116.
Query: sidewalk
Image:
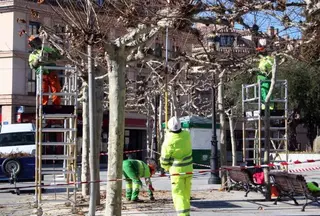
column 206, row 200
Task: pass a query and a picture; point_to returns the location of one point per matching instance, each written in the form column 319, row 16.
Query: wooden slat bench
column 291, row 185
column 241, row 178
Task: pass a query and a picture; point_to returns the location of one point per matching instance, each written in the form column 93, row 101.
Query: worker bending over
column 176, row 157
column 133, row 170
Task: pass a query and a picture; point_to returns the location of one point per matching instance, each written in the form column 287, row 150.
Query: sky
column 265, row 20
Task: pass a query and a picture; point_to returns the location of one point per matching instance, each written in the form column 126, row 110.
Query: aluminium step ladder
column 62, row 179
column 253, row 123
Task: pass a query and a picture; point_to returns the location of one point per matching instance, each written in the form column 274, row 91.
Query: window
column 15, row 139
column 226, row 41
column 31, row 82
column 33, row 29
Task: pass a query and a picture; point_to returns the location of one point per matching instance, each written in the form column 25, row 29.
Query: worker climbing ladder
column 57, row 119
column 253, row 125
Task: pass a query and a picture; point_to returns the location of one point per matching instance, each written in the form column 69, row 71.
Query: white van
column 17, row 138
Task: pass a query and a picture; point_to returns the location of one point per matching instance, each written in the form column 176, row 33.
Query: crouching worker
column 133, row 170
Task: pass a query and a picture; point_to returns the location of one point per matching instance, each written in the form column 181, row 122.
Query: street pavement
column 230, row 203
column 213, row 202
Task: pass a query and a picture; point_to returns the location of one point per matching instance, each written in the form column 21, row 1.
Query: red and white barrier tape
column 304, row 169
column 203, row 165
column 283, row 164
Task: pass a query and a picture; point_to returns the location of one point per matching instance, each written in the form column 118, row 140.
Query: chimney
column 277, row 32
column 271, row 31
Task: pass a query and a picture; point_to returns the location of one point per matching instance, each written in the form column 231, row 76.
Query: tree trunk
column 99, row 121
column 174, row 103
column 223, row 145
column 232, row 137
column 155, row 127
column 292, row 137
column 149, row 130
column 161, row 120
column 117, row 90
column 92, row 148
column 85, row 141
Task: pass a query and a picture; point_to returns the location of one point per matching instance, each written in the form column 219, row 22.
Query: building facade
column 18, row 82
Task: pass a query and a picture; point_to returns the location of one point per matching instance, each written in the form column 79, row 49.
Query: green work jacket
column 265, row 64
column 176, row 152
column 53, row 56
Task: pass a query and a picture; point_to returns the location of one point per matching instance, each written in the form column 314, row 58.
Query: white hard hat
column 174, row 124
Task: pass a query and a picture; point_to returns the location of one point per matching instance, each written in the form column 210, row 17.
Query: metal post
column 166, row 80
column 286, row 120
column 92, row 155
column 244, row 153
column 214, row 178
column 155, row 127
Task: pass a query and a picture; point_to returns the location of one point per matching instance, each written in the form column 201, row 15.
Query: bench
column 241, row 178
column 291, row 185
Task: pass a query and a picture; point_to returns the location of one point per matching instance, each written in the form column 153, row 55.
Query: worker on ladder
column 45, row 56
column 265, row 68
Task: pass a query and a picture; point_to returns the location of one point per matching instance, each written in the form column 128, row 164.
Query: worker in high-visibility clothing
column 133, row 170
column 265, row 68
column 176, row 157
column 49, row 78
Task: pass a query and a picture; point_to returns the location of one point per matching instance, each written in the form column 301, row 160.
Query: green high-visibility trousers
column 264, row 90
column 133, row 182
column 181, row 193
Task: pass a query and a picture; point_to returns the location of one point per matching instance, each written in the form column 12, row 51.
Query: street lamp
column 214, row 177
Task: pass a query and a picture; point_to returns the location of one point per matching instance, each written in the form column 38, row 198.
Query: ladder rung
column 54, row 130
column 279, row 161
column 274, row 139
column 58, row 68
column 60, row 94
column 271, row 128
column 57, row 172
column 278, row 117
column 251, row 99
column 56, row 200
column 279, row 100
column 58, row 179
column 262, row 149
column 57, row 143
column 255, row 118
column 278, row 139
column 50, row 168
column 57, row 157
column 277, row 150
column 252, row 159
column 58, row 116
column 59, row 186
